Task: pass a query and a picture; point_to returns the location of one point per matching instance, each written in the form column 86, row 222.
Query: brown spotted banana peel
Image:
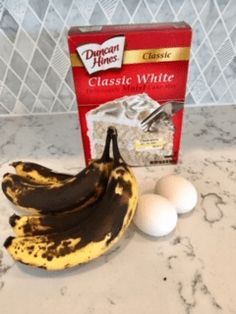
column 30, row 225
column 38, row 174
column 76, row 192
column 93, row 236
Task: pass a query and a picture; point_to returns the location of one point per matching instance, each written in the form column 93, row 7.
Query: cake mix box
column 134, row 78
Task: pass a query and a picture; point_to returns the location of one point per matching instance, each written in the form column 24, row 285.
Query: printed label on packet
column 108, row 55
column 149, row 145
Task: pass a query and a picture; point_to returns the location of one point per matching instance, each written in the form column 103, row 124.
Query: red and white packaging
column 134, row 78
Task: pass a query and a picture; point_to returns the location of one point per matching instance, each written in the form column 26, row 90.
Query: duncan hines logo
column 102, row 57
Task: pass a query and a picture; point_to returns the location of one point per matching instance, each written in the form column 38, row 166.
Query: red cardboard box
column 133, row 77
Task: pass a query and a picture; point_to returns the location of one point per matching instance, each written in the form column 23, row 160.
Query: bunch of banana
column 40, row 190
column 68, row 239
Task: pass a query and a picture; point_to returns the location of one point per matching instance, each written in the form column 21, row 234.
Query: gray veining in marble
column 12, row 82
column 52, row 80
column 31, row 24
column 9, row 25
column 5, row 47
column 33, row 80
column 25, row 45
column 39, row 63
column 39, row 7
column 46, row 43
column 2, row 69
column 18, row 64
column 192, row 270
column 27, row 98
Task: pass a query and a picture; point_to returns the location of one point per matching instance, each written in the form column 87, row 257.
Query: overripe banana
column 106, row 223
column 46, row 224
column 35, row 173
column 76, row 192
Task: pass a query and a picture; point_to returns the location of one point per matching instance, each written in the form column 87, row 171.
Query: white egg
column 155, row 215
column 179, row 191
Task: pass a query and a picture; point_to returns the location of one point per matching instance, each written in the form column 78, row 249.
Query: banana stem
column 106, row 152
column 118, row 160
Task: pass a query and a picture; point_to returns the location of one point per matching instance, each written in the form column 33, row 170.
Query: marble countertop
column 190, row 271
